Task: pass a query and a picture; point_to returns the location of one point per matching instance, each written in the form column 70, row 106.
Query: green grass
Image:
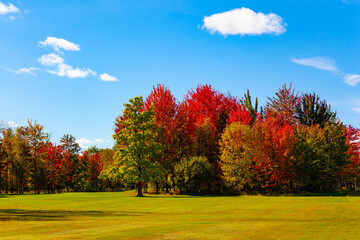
column 123, row 216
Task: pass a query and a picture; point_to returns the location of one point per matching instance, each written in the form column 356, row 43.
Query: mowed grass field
column 123, row 216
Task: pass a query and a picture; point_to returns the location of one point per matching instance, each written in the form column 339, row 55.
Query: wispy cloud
column 7, row 9
column 328, row 64
column 108, row 78
column 322, row 63
column 29, row 70
column 244, row 21
column 352, row 79
column 60, row 43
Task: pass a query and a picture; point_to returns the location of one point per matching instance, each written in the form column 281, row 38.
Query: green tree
column 237, row 156
column 313, row 111
column 194, row 175
column 134, row 159
column 246, row 101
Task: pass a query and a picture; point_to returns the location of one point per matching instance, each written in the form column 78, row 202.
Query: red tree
column 352, row 169
column 54, row 166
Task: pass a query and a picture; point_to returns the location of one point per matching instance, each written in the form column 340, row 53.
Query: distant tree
column 22, row 158
column 7, row 154
column 253, row 110
column 286, row 104
column 95, row 168
column 68, row 143
column 314, row 111
column 71, row 159
column 36, row 139
column 352, row 169
column 93, row 150
column 54, row 167
column 136, row 146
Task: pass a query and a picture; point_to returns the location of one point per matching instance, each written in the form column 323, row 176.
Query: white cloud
column 6, row 9
column 12, row 18
column 107, row 77
column 12, row 124
column 64, row 70
column 84, row 141
column 51, row 59
column 244, row 21
column 99, row 140
column 59, row 43
column 30, row 70
column 352, row 79
column 328, row 64
column 322, row 63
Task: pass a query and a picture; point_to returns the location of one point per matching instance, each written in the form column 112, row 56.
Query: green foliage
column 314, row 111
column 321, row 155
column 134, row 160
column 246, row 101
column 237, row 156
column 194, row 175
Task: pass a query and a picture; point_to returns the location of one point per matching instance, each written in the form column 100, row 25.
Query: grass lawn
column 123, row 216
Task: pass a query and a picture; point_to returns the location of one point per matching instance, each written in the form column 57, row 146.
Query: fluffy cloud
column 65, row 70
column 60, row 43
column 6, row 9
column 51, row 59
column 30, row 70
column 107, row 77
column 352, row 79
column 244, row 21
column 322, row 63
column 62, row 69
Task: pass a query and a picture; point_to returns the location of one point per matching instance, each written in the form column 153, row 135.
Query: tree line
column 215, row 142
column 30, row 162
column 209, row 142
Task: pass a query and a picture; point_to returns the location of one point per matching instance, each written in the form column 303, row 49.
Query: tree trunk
column 139, row 190
column 157, row 187
column 7, row 178
column 167, row 187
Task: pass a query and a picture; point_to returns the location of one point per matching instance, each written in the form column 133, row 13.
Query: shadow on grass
column 58, row 215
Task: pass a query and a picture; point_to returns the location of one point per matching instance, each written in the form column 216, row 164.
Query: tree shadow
column 58, row 215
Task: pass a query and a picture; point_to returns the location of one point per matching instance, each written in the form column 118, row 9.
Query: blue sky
column 71, row 65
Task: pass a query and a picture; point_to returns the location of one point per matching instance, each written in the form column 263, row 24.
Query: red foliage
column 353, row 139
column 165, row 107
column 239, row 114
column 205, row 102
column 53, row 163
column 274, row 159
column 96, row 166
